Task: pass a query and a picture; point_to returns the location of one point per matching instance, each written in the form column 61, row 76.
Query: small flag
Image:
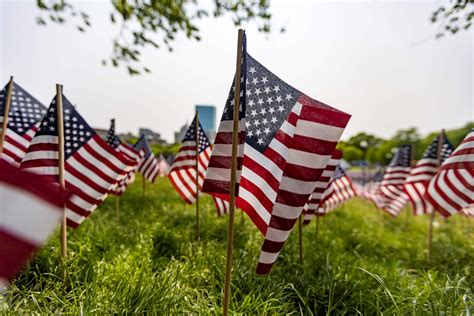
column 30, row 209
column 312, row 207
column 421, row 174
column 452, row 188
column 115, row 142
column 339, row 191
column 164, row 167
column 286, row 139
column 393, row 197
column 92, row 167
column 23, row 121
column 148, row 165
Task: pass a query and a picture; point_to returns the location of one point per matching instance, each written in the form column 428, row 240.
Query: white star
column 251, row 103
column 260, row 141
column 279, row 99
column 74, row 118
column 248, row 92
column 258, row 132
column 68, row 151
column 252, row 70
column 288, row 97
column 269, row 100
column 264, row 121
column 255, row 81
column 280, row 108
column 271, row 110
column 247, row 124
column 260, row 101
column 266, row 131
column 264, row 80
column 257, row 91
column 250, row 134
column 266, row 90
column 256, row 123
column 254, row 112
column 263, row 111
column 274, row 120
column 51, row 128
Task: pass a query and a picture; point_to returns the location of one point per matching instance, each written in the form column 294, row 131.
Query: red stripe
column 15, row 252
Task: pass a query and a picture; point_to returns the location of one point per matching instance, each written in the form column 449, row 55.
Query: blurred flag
column 30, row 208
column 339, row 191
column 148, row 165
column 183, row 169
column 164, row 167
column 468, row 210
column 423, row 172
column 23, row 121
column 393, row 197
column 312, row 208
column 128, row 152
column 286, row 140
column 92, row 167
column 452, row 188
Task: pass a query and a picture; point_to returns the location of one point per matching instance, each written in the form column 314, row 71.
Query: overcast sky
column 375, row 60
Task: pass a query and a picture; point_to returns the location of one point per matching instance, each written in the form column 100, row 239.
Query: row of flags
column 288, row 166
column 442, row 180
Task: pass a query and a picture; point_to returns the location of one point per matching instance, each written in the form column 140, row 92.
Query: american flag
column 183, row 169
column 30, row 209
column 285, row 141
column 452, row 188
column 114, row 141
column 92, row 167
column 393, row 197
column 312, row 208
column 423, row 172
column 339, row 191
column 148, row 165
column 468, row 210
column 23, row 121
column 164, row 167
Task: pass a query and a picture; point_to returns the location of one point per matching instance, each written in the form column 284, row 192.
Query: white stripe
column 277, row 235
column 44, row 139
column 18, row 138
column 260, row 182
column 296, row 186
column 306, row 159
column 76, row 165
column 41, row 154
column 321, row 131
column 268, row 257
column 26, row 216
column 287, row 211
column 255, row 203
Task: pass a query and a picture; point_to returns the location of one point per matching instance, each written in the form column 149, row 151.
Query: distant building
column 179, row 135
column 207, row 117
column 151, row 136
column 101, row 132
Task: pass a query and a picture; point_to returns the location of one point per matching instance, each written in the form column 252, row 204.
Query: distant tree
column 154, row 23
column 453, row 16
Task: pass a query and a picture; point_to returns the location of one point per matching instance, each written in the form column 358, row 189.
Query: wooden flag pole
column 197, row 175
column 6, row 111
column 117, row 208
column 60, row 121
column 300, row 229
column 432, row 216
column 233, row 174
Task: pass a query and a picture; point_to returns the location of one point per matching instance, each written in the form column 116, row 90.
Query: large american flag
column 393, row 196
column 452, row 188
column 285, row 142
column 148, row 165
column 30, row 210
column 421, row 174
column 312, row 208
column 92, row 167
column 339, row 191
column 23, row 119
column 114, row 141
column 182, row 173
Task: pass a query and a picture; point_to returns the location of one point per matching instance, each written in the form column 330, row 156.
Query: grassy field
column 362, row 262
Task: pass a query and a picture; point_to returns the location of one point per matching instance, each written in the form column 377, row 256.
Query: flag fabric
column 23, row 121
column 339, row 191
column 222, row 206
column 30, row 209
column 164, row 167
column 393, row 197
column 421, row 174
column 312, row 207
column 452, row 188
column 468, row 210
column 114, row 141
column 92, row 167
column 148, row 165
column 286, row 139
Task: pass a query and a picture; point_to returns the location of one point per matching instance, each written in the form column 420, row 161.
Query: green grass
column 362, row 262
